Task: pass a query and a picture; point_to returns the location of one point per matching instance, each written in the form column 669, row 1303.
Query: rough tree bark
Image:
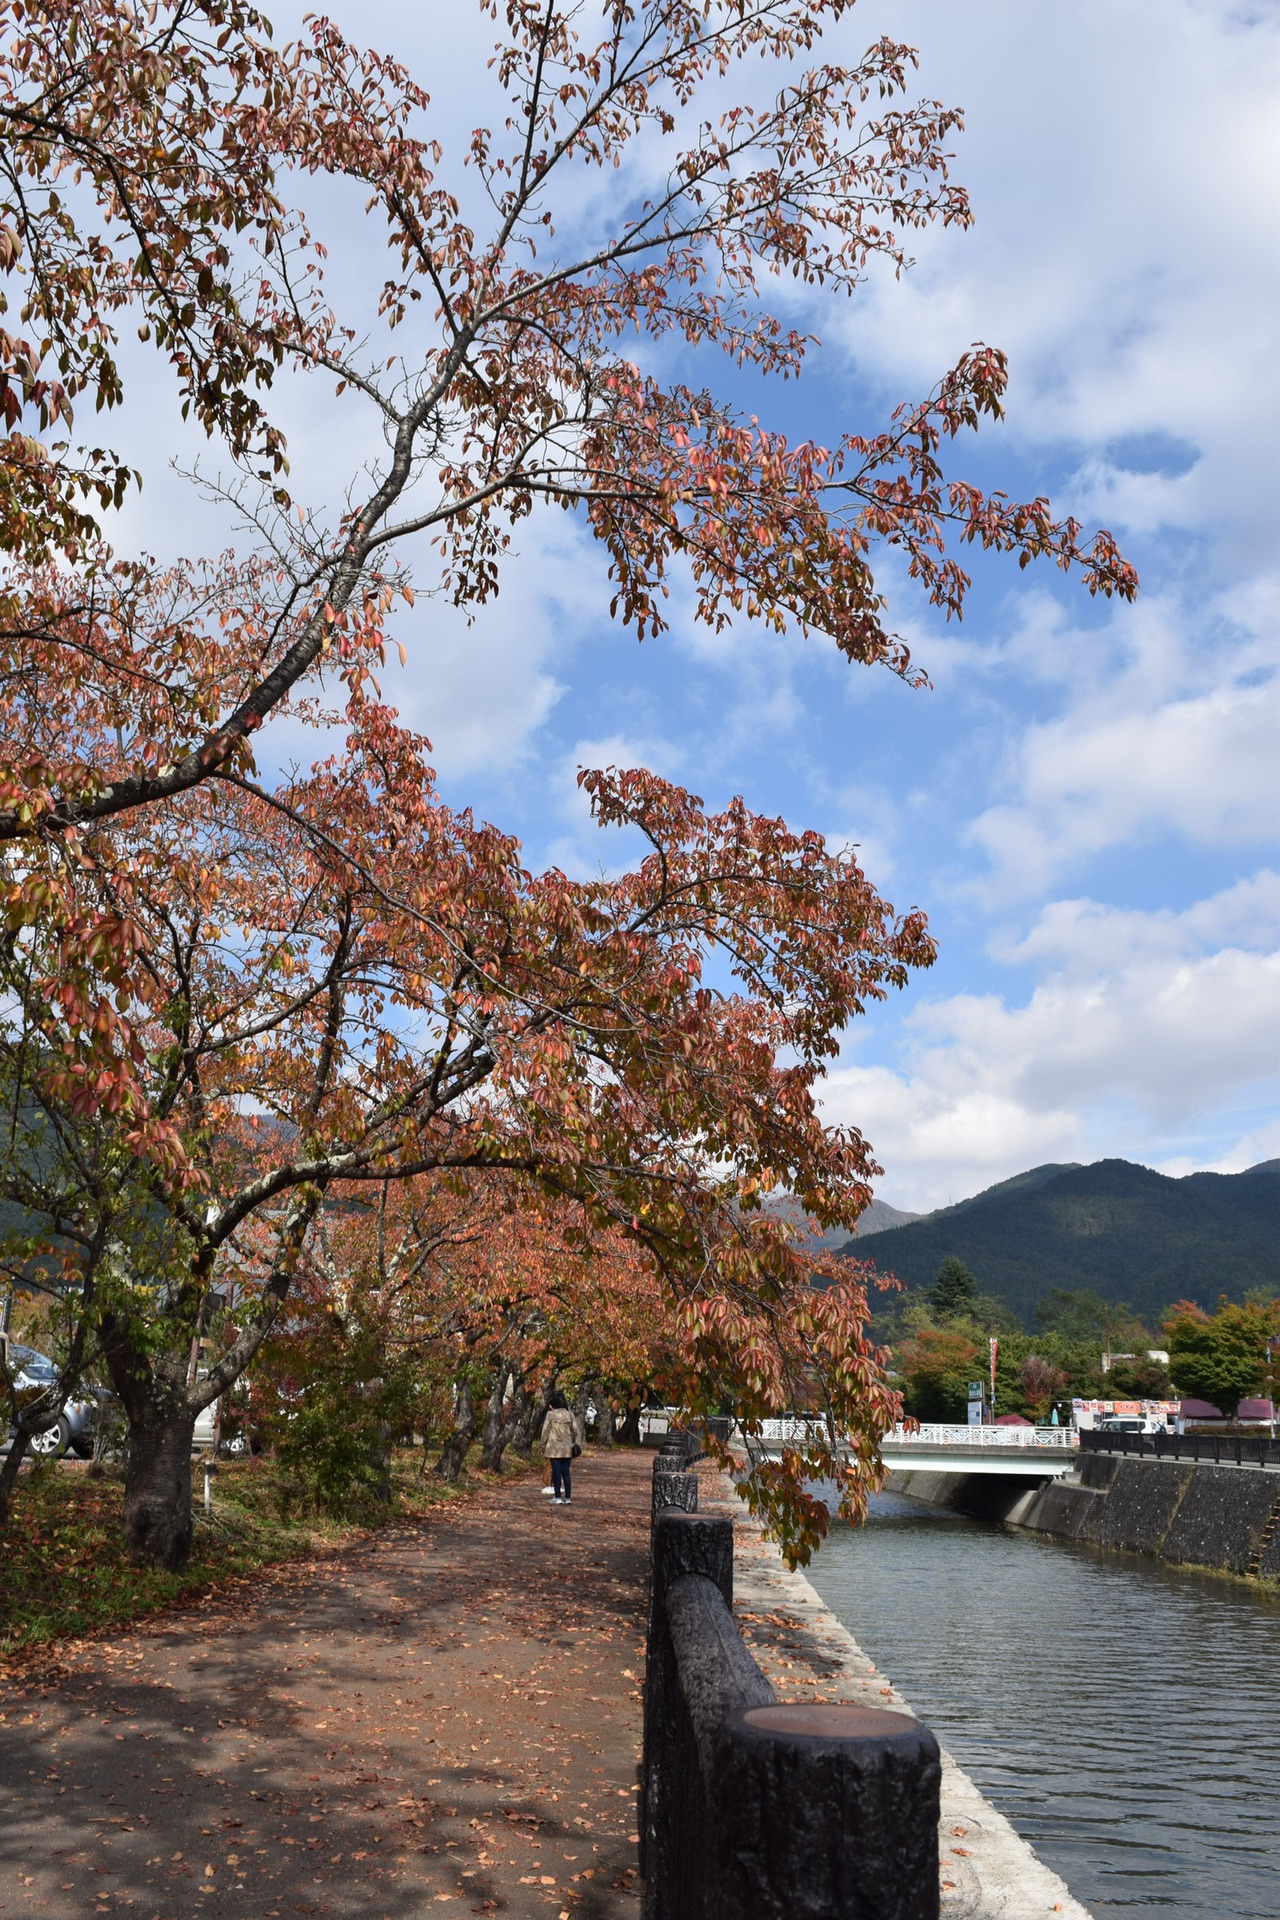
column 508, row 1427
column 629, row 1431
column 535, row 1412
column 30, row 1422
column 383, row 1449
column 491, row 1441
column 163, row 1390
column 9, row 1472
column 463, row 1432
column 161, row 1406
column 579, row 1402
column 158, row 1522
column 538, row 1412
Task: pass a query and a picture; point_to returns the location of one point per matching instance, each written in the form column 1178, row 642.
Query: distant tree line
column 939, row 1342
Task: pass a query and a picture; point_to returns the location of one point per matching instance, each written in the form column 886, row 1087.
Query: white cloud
column 1258, row 1144
column 481, row 688
column 1159, row 1028
column 1083, row 939
column 1121, row 160
column 1202, row 767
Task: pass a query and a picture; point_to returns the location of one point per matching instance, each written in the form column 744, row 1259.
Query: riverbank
column 988, row 1871
column 1217, row 1519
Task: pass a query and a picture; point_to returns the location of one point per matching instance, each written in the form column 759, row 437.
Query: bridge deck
column 1029, row 1463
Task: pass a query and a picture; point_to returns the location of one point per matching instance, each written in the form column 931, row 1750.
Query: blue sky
column 1085, row 802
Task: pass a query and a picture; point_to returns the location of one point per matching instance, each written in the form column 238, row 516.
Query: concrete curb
column 988, row 1871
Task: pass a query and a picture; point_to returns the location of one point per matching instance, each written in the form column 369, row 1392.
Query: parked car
column 32, row 1374
column 1133, row 1423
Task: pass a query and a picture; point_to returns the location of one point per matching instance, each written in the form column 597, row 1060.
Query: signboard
column 1087, row 1413
column 976, row 1411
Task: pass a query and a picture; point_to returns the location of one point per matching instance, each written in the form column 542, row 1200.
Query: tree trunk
column 531, row 1425
column 578, row 1406
column 384, row 1447
column 454, row 1451
column 604, row 1415
column 533, row 1412
column 157, row 1490
column 9, row 1472
column 629, row 1432
column 510, row 1426
column 491, row 1442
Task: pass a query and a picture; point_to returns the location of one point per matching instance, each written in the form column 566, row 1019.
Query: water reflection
column 1125, row 1717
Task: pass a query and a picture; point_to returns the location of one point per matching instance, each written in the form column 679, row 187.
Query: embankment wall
column 1223, row 1518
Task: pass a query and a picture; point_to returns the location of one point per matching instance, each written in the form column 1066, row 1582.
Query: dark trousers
column 560, row 1478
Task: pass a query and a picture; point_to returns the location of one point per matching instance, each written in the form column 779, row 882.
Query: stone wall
column 1190, row 1516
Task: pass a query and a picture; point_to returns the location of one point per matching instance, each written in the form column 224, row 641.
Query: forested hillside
column 1121, row 1230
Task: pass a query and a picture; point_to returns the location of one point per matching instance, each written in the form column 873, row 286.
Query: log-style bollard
column 670, row 1781
column 824, row 1812
column 672, row 1489
column 753, row 1810
column 674, row 1484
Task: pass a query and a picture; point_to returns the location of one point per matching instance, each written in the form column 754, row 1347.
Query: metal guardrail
column 755, row 1810
column 1220, row 1449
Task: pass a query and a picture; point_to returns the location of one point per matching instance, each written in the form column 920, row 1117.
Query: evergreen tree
column 954, row 1290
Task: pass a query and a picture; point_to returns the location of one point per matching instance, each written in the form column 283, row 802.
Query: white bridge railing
column 933, row 1437
column 793, row 1430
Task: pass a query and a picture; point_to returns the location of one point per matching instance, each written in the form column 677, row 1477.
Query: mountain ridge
column 1111, row 1226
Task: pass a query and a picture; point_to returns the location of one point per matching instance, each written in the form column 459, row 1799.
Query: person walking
column 561, row 1440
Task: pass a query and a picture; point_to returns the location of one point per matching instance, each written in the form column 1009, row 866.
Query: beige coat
column 560, row 1434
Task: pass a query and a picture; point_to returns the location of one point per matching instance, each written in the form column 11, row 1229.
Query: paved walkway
column 445, row 1719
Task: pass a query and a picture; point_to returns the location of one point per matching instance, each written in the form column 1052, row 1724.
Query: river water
column 1125, row 1717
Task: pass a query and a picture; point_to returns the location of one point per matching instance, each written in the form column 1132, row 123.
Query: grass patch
column 65, row 1569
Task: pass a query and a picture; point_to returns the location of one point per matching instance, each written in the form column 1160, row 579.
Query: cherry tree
column 301, row 1018
column 192, row 943
column 506, row 367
